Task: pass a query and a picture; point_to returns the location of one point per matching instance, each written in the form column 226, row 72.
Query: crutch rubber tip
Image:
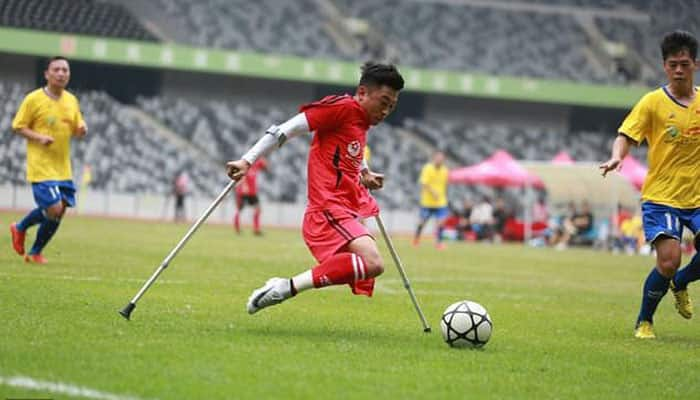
column 126, row 311
column 427, row 330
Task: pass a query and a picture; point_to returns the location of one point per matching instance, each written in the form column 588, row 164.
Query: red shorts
column 327, row 232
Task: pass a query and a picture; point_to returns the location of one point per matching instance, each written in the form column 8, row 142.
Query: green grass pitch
column 563, row 322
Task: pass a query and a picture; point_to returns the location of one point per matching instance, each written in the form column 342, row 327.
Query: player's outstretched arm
column 274, row 137
column 620, row 149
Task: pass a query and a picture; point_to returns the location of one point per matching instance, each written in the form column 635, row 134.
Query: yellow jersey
column 58, row 118
column 672, row 133
column 436, row 179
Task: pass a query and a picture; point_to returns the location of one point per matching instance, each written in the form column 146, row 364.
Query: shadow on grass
column 333, row 334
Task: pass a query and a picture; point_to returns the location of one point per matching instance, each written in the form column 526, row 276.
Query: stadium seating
column 644, row 37
column 263, row 25
column 89, row 17
column 125, row 155
column 226, row 130
column 483, row 39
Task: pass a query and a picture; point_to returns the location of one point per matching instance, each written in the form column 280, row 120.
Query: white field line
column 26, row 382
column 91, row 278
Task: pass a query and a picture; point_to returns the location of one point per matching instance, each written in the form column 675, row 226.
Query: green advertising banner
column 272, row 66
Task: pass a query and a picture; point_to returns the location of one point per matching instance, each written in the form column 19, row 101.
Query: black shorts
column 250, row 199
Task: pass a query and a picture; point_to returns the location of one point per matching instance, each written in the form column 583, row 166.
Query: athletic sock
column 302, row 282
column 36, row 216
column 339, row 269
column 256, row 220
column 655, row 287
column 689, row 273
column 44, row 234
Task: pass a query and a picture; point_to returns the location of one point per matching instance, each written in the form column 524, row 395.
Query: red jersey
column 340, row 127
column 249, row 186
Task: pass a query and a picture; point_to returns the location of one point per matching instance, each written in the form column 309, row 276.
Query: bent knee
column 668, row 267
column 56, row 212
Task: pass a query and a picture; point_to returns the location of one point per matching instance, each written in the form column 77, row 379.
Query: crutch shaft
column 402, row 272
column 127, row 310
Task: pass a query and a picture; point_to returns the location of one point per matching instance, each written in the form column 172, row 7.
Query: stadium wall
column 202, row 86
column 321, row 71
column 158, row 207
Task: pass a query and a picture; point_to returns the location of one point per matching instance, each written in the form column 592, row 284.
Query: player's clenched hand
column 237, row 169
column 611, row 164
column 372, row 181
column 81, row 130
column 44, row 139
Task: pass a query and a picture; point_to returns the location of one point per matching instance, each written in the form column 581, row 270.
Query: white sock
column 303, row 281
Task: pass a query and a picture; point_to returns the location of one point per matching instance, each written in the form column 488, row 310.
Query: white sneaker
column 275, row 291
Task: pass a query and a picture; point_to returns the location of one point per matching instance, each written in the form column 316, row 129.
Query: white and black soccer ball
column 466, row 324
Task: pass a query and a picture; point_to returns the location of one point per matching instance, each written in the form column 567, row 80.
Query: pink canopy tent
column 500, row 169
column 563, row 158
column 633, row 171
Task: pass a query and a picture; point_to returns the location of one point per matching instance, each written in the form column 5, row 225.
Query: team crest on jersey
column 671, row 132
column 354, row 148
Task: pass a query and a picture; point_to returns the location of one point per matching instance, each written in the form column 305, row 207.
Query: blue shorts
column 664, row 220
column 48, row 193
column 435, row 212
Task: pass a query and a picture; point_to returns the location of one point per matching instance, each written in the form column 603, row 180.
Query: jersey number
column 670, row 221
column 55, row 192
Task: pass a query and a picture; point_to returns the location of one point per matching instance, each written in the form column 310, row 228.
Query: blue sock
column 655, row 287
column 689, row 273
column 44, row 234
column 36, row 216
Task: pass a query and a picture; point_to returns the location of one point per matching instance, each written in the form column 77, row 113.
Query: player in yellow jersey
column 668, row 119
column 48, row 117
column 433, row 196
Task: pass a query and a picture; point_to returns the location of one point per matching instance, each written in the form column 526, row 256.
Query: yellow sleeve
column 23, row 118
column 423, row 180
column 637, row 124
column 78, row 118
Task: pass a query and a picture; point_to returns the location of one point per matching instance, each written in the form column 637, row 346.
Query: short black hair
column 376, row 74
column 52, row 59
column 677, row 41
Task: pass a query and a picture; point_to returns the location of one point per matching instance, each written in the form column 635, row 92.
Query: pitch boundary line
column 26, row 382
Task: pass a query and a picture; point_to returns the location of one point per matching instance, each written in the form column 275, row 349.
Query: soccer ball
column 466, row 324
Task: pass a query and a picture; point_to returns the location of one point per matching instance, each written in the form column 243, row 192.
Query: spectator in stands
column 433, row 197
column 562, row 227
column 500, row 216
column 582, row 224
column 667, row 119
column 48, row 117
column 181, row 187
column 482, row 219
column 247, row 193
column 540, row 212
column 464, row 226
